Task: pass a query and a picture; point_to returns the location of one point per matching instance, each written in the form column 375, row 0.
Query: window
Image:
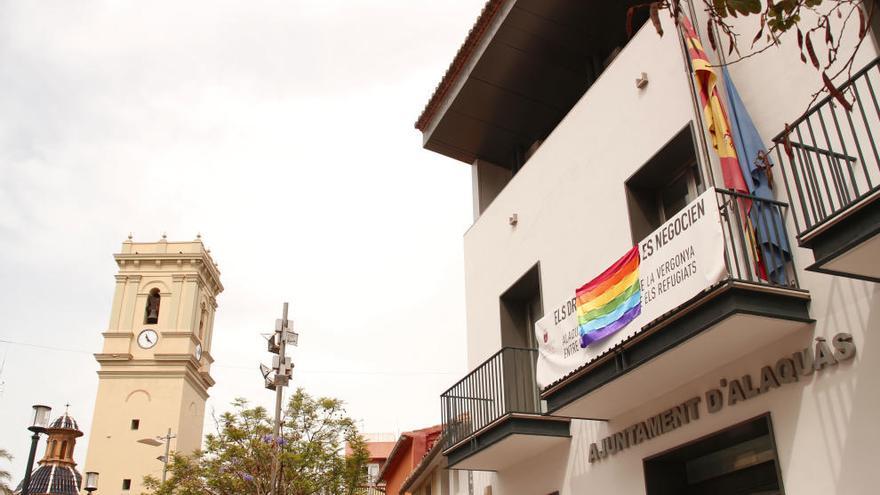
column 372, row 472
column 739, row 459
column 54, row 449
column 520, row 308
column 135, row 424
column 664, row 185
column 151, row 311
column 202, row 319
column 63, row 449
column 126, row 484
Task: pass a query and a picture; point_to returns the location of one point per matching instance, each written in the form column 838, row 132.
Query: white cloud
column 281, row 130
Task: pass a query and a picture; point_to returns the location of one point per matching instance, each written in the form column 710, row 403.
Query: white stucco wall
column 571, row 204
column 570, row 196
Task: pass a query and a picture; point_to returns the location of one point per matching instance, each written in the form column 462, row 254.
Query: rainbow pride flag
column 610, row 301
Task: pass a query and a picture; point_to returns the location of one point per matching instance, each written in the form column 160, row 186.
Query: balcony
column 492, row 418
column 728, row 319
column 831, row 171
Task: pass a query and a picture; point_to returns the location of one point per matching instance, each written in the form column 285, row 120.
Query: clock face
column 148, row 338
column 198, row 352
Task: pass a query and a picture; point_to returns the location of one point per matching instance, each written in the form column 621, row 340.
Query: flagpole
column 698, row 112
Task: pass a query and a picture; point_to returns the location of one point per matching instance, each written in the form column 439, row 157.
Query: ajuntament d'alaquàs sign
column 730, row 391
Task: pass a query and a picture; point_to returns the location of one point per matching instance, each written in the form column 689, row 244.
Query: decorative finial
column 199, row 236
column 130, row 236
column 164, row 236
column 66, row 408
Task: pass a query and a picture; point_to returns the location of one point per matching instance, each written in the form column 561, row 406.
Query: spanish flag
column 718, row 126
column 714, row 113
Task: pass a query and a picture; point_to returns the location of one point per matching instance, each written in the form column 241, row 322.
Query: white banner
column 677, row 261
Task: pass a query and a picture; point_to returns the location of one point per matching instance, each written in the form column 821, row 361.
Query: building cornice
column 117, row 335
column 201, row 263
column 201, row 381
column 115, row 357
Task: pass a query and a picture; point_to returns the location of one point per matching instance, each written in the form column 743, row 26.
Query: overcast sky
column 282, row 131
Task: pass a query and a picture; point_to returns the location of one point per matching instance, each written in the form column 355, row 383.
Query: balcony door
column 521, row 307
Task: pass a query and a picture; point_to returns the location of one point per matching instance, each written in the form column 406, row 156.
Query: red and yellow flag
column 718, row 127
column 713, row 109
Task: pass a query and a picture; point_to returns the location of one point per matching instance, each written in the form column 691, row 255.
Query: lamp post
column 155, row 442
column 91, row 483
column 38, row 425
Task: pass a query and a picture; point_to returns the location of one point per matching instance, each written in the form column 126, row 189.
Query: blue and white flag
column 754, row 161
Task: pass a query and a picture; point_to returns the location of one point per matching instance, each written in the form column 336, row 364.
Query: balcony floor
column 849, row 244
column 510, row 440
column 722, row 326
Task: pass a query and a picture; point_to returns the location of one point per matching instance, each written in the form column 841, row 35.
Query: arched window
column 151, row 313
column 54, row 450
column 63, row 449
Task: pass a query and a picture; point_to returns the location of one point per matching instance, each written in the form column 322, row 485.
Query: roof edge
column 392, row 456
column 423, row 464
column 465, row 52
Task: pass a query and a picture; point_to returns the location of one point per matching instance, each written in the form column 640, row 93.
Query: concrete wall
column 571, row 205
column 570, row 197
column 163, row 386
column 113, row 448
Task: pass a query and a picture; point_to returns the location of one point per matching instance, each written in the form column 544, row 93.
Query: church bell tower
column 155, row 365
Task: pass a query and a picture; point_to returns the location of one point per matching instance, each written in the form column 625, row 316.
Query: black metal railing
column 503, row 384
column 830, row 158
column 756, row 246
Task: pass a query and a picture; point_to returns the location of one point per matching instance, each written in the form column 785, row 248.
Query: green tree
column 238, row 458
column 5, row 476
column 819, row 27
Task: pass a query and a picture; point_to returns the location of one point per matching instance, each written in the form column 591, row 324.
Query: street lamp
column 38, row 425
column 155, row 442
column 91, row 481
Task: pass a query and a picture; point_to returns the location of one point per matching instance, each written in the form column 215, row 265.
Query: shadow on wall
column 849, row 411
column 542, row 474
column 579, row 460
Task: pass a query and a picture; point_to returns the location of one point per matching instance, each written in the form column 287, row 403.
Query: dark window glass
column 663, row 185
column 739, row 460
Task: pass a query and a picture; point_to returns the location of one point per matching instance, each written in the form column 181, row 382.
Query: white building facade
column 582, row 143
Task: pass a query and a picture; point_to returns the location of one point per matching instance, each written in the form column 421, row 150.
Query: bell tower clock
column 156, row 361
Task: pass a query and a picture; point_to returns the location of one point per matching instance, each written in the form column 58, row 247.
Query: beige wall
column 113, row 448
column 164, row 386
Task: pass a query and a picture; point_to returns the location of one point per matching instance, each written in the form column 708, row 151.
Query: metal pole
column 279, row 392
column 165, row 459
column 26, row 484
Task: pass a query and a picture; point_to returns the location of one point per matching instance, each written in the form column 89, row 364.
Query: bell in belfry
column 153, row 307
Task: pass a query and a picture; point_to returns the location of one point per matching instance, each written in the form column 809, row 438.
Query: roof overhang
column 520, row 70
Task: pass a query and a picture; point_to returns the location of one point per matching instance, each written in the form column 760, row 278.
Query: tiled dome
column 55, row 480
column 65, row 422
